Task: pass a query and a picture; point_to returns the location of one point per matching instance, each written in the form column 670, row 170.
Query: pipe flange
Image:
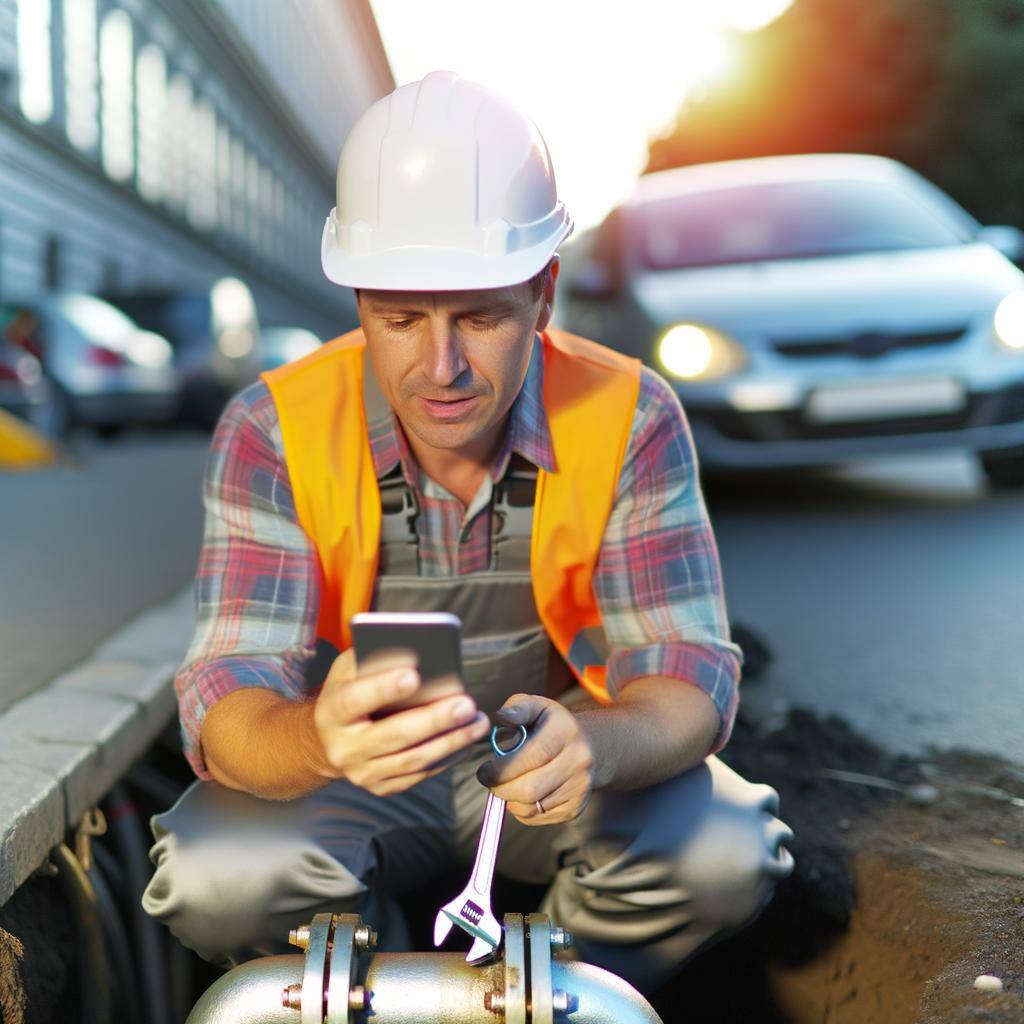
column 515, row 970
column 342, row 972
column 314, row 972
column 538, row 937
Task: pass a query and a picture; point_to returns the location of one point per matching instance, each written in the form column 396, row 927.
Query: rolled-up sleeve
column 658, row 582
column 257, row 587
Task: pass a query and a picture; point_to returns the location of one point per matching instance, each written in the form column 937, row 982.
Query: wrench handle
column 487, row 846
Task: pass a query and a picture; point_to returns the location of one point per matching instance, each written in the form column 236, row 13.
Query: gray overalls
column 643, row 879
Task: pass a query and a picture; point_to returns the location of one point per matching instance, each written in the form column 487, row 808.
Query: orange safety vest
column 590, row 394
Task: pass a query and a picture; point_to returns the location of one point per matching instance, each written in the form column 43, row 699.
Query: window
column 224, row 201
column 238, row 185
column 202, row 189
column 788, row 220
column 35, row 73
column 151, row 91
column 116, row 74
column 252, row 191
column 81, row 74
column 179, row 121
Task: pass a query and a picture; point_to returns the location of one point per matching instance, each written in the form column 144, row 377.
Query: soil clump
column 909, row 884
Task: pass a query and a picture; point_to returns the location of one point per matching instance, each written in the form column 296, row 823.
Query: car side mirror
column 1007, row 239
column 593, row 280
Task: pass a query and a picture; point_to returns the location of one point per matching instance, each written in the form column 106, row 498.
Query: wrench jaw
column 481, row 925
column 477, row 921
column 482, row 949
column 442, row 927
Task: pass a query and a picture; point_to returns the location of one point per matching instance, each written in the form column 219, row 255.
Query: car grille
column 868, row 345
column 992, row 408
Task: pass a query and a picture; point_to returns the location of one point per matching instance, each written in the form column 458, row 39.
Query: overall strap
column 512, row 530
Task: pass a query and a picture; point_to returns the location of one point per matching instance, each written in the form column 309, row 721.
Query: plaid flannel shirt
column 657, row 582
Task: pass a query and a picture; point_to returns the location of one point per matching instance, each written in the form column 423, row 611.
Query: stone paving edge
column 64, row 746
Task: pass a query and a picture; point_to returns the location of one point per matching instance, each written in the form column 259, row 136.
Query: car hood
column 876, row 291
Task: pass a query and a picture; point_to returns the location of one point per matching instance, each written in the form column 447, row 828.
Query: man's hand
column 555, row 766
column 390, row 754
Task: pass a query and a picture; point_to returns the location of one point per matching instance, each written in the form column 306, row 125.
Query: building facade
column 163, row 144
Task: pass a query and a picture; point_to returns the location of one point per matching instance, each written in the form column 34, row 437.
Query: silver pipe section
column 424, row 988
column 600, row 996
column 251, row 993
column 340, row 981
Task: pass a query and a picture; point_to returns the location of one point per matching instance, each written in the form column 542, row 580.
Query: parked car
column 814, row 308
column 97, row 366
column 280, row 345
column 215, row 335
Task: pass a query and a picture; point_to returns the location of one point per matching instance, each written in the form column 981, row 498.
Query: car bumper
column 126, row 408
column 728, row 438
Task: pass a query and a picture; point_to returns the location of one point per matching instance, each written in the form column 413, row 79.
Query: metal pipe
column 94, row 992
column 420, row 988
column 600, row 996
column 251, row 993
column 417, row 988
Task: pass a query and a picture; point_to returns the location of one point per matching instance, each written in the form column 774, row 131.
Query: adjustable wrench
column 471, row 909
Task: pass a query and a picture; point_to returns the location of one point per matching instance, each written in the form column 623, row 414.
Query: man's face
column 450, row 364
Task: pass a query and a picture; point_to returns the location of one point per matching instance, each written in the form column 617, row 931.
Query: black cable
column 126, row 829
column 127, row 1000
column 94, row 991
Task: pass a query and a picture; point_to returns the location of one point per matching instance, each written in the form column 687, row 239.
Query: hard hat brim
column 422, row 268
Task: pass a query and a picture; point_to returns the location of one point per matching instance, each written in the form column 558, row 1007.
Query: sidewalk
column 64, row 746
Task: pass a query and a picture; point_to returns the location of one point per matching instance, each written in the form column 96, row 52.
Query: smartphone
column 433, row 637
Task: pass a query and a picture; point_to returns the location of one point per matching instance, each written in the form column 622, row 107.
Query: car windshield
column 96, row 319
column 183, row 318
column 787, row 220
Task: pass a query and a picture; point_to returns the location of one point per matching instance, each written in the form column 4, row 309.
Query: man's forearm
column 265, row 744
column 657, row 729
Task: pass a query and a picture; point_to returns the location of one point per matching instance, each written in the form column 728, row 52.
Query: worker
column 458, row 453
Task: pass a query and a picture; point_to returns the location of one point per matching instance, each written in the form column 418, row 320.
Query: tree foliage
column 937, row 84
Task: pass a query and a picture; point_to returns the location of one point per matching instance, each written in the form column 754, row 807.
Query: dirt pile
column 909, row 883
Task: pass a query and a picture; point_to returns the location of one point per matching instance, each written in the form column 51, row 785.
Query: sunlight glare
column 600, row 81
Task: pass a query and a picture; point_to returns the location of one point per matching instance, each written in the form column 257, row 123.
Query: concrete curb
column 64, row 746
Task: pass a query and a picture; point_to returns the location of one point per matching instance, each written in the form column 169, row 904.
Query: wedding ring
column 539, row 806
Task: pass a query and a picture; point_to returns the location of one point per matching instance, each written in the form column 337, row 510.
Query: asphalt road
column 890, row 592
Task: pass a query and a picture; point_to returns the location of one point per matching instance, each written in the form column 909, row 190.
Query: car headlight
column 698, row 353
column 1008, row 321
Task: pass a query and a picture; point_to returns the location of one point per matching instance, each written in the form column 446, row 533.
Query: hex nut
column 364, row 937
column 299, row 936
column 563, row 1002
column 560, row 939
column 358, row 999
column 495, row 1002
column 291, row 997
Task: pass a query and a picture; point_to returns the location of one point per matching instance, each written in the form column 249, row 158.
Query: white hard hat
column 442, row 186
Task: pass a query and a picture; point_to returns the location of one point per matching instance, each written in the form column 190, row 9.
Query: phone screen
column 433, row 637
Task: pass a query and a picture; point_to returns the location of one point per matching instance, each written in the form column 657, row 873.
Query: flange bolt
column 299, row 936
column 291, row 997
column 563, row 1002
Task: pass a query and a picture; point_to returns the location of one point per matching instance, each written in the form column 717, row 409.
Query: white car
column 815, row 308
column 110, row 371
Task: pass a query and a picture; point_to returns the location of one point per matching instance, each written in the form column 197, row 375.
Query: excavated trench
column 900, row 899
column 898, row 902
